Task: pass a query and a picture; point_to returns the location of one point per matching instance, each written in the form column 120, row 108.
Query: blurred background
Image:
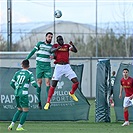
column 98, row 28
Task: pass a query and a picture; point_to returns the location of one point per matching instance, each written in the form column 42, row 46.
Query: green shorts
column 43, row 72
column 22, row 101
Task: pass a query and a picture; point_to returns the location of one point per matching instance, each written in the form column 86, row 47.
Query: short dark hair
column 59, row 37
column 113, row 72
column 25, row 63
column 49, row 33
column 126, row 69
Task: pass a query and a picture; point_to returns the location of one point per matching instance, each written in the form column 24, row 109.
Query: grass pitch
column 72, row 126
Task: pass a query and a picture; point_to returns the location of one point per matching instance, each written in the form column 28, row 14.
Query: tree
column 124, row 26
column 3, row 44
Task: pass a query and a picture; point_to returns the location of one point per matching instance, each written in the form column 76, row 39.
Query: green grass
column 72, row 126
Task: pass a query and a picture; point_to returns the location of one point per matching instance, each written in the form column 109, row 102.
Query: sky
column 81, row 11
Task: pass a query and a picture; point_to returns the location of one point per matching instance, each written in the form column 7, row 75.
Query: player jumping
column 43, row 65
column 62, row 67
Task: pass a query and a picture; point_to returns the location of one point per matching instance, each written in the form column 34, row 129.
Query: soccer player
column 127, row 85
column 112, row 87
column 20, row 83
column 43, row 65
column 62, row 67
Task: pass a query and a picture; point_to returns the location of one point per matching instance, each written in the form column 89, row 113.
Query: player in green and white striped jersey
column 20, row 83
column 43, row 64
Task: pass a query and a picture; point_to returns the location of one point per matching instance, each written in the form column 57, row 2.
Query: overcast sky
column 82, row 11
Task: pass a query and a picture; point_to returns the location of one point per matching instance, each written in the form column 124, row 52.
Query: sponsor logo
column 8, row 101
column 61, row 96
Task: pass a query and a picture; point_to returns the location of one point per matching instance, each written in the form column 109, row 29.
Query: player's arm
column 33, row 51
column 131, row 97
column 35, row 85
column 72, row 47
column 54, row 49
column 12, row 83
column 33, row 82
column 52, row 56
column 121, row 89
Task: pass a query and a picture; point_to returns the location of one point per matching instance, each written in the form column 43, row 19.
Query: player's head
column 25, row 63
column 49, row 36
column 60, row 40
column 113, row 73
column 125, row 72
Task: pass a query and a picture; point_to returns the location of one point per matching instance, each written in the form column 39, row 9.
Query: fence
column 13, row 59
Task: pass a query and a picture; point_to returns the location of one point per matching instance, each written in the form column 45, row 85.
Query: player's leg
column 126, row 123
column 39, row 75
column 22, row 119
column 39, row 82
column 47, row 76
column 111, row 97
column 56, row 76
column 50, row 94
column 74, row 88
column 75, row 85
column 73, row 77
column 24, row 103
column 16, row 115
column 47, row 82
column 15, row 118
column 126, row 103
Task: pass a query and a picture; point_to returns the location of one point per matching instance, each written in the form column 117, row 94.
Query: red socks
column 50, row 93
column 74, row 87
column 126, row 115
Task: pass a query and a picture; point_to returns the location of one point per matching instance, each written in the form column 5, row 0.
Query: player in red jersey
column 127, row 85
column 62, row 67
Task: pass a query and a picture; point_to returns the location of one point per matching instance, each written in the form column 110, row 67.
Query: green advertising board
column 102, row 111
column 118, row 103
column 62, row 106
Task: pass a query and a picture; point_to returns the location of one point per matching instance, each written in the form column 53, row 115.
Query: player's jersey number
column 20, row 79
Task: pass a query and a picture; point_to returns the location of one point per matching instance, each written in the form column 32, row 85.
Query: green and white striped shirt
column 42, row 53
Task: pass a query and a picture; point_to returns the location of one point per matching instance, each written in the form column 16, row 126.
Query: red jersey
column 127, row 84
column 62, row 54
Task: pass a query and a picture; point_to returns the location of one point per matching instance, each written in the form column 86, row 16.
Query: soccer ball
column 57, row 14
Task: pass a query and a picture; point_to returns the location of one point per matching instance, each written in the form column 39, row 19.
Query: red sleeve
column 55, row 45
